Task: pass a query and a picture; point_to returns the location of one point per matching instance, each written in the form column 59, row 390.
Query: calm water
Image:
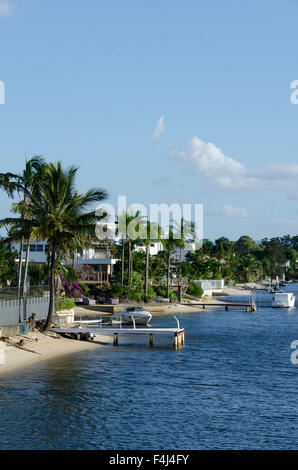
column 232, row 386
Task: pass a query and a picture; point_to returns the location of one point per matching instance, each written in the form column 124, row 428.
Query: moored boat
column 138, row 315
column 283, row 300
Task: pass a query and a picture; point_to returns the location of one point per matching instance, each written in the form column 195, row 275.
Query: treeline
column 244, row 260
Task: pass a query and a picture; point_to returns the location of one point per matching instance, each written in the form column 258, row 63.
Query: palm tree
column 8, row 182
column 122, row 231
column 186, row 230
column 23, row 183
column 60, row 215
column 30, row 180
column 128, row 225
column 152, row 233
column 170, row 244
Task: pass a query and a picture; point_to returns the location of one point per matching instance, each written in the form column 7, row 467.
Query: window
column 39, row 248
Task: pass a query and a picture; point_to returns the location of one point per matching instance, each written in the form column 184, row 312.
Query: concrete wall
column 15, row 311
column 211, row 284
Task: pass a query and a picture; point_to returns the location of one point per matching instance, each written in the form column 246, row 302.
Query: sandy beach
column 39, row 347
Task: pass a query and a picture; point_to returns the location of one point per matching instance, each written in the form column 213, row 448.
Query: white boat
column 139, row 314
column 283, row 300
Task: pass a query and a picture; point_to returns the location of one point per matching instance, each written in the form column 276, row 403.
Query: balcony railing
column 95, row 255
column 101, row 278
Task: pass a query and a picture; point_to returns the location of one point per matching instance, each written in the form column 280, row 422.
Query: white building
column 212, row 286
column 99, row 257
column 155, row 247
column 38, row 251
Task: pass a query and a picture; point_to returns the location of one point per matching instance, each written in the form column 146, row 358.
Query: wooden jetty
column 149, row 334
column 228, row 306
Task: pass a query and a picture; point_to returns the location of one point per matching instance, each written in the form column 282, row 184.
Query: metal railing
column 10, row 293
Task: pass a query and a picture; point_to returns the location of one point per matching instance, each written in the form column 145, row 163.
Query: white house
column 99, row 257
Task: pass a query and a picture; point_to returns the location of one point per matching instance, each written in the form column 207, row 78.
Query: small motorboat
column 133, row 314
column 283, row 300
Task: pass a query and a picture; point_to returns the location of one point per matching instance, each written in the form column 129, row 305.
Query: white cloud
column 217, row 169
column 159, row 128
column 5, row 8
column 227, row 210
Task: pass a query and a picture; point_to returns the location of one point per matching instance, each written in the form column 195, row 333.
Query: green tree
column 246, row 244
column 171, row 243
column 129, row 227
column 8, row 270
column 24, row 184
column 60, row 215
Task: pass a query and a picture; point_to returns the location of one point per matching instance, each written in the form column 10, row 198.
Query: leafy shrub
column 195, row 289
column 65, row 304
column 84, row 287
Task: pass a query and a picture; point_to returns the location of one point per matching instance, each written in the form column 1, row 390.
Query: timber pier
column 228, row 306
column 86, row 330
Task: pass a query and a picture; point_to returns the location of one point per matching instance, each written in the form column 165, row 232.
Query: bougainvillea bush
column 72, row 289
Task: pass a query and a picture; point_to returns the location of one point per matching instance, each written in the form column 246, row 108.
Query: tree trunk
column 26, row 266
column 129, row 262
column 20, row 267
column 122, row 261
column 168, row 274
column 74, row 259
column 146, row 269
column 52, row 288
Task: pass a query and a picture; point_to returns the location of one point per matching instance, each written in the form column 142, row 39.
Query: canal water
column 232, row 386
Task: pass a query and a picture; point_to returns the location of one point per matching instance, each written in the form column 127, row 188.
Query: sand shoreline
column 46, row 347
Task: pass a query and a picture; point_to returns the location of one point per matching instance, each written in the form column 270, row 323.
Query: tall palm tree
column 170, row 244
column 23, row 183
column 30, row 179
column 8, row 182
column 122, row 232
column 60, row 215
column 186, row 231
column 152, row 232
column 129, row 224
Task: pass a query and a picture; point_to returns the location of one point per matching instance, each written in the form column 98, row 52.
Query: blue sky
column 160, row 100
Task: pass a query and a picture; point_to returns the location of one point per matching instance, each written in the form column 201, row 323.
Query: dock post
column 151, row 340
column 115, row 342
column 182, row 339
column 175, row 341
column 79, row 337
column 227, row 308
